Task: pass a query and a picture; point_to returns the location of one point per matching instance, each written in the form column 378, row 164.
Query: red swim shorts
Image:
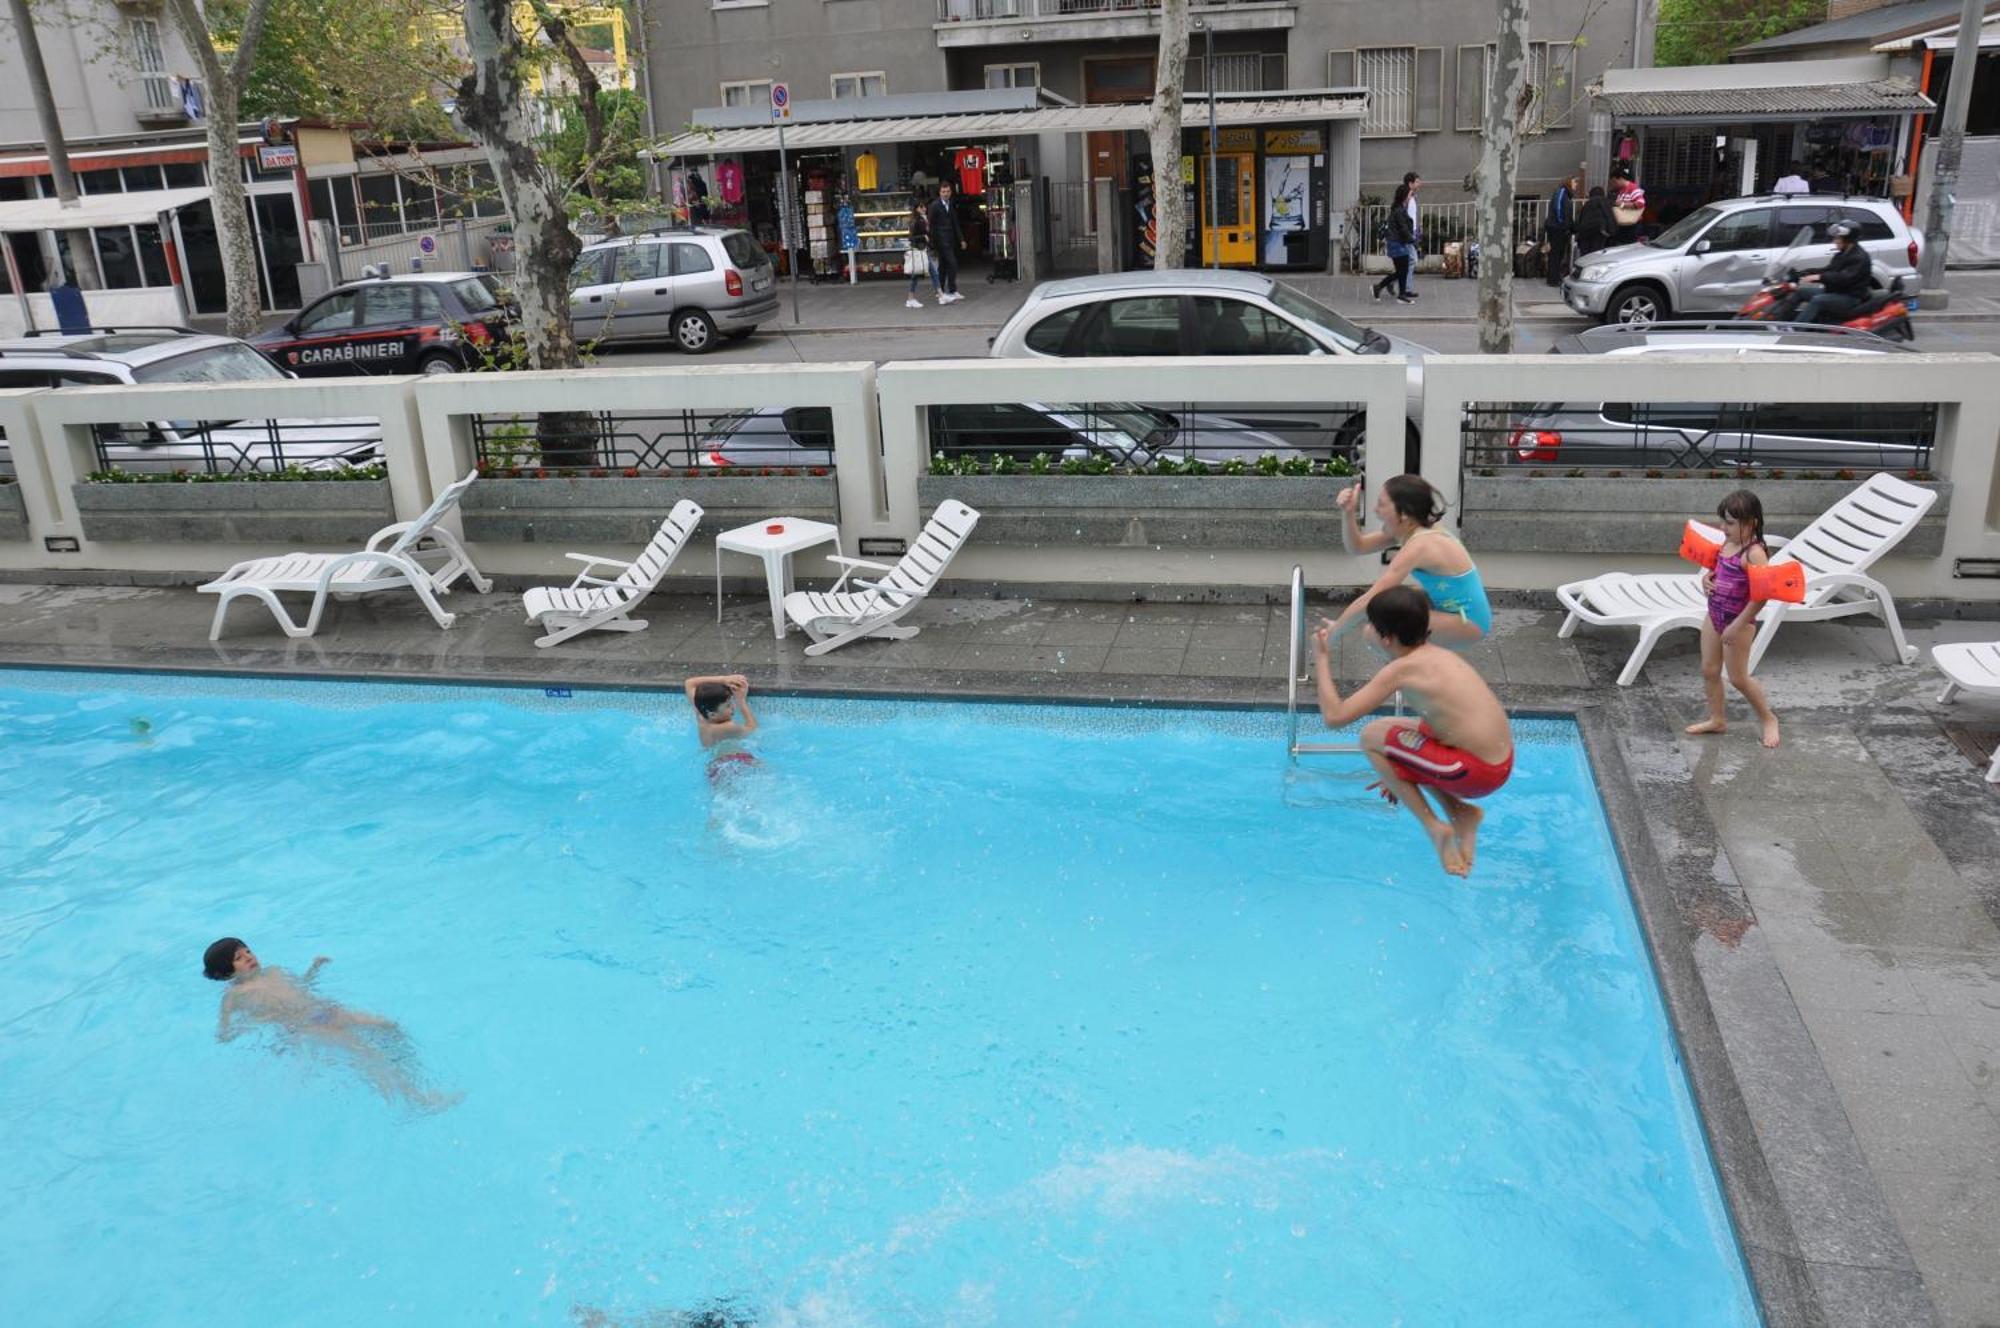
column 1420, row 758
column 722, row 764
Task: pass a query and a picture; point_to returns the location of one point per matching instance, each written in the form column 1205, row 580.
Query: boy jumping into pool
column 722, row 719
column 257, row 994
column 1459, row 742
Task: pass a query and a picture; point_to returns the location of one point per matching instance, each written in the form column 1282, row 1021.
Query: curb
column 1920, row 318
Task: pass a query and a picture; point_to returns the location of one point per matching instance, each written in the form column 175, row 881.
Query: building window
column 750, row 92
column 149, row 58
column 739, row 4
column 1014, row 76
column 1241, row 72
column 1390, row 75
column 872, row 84
column 1551, row 76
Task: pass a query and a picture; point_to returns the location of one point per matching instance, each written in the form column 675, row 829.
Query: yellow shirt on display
column 865, row 170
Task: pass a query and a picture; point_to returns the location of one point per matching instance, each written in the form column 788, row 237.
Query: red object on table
column 775, row 528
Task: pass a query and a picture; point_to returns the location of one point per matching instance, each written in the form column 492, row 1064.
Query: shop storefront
column 1284, row 165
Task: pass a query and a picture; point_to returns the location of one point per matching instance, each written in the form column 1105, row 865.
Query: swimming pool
column 944, row 1014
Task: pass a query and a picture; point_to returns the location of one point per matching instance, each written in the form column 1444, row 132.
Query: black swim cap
column 219, row 960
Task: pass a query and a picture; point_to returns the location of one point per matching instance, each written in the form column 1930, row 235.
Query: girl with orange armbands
column 1738, row 579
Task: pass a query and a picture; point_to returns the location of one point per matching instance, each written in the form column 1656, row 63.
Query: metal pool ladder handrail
column 1293, row 747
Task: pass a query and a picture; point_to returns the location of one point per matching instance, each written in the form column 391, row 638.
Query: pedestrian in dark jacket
column 946, row 240
column 1594, row 223
column 1403, row 233
column 1559, row 229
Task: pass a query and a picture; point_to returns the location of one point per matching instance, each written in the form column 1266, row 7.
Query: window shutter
column 1274, row 71
column 1561, row 100
column 1430, row 89
column 1470, row 101
column 1340, row 70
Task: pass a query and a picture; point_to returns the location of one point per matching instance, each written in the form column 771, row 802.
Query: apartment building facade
column 1425, row 63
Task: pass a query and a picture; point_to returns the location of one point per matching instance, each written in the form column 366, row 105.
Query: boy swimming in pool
column 722, row 719
column 1458, row 743
column 272, row 996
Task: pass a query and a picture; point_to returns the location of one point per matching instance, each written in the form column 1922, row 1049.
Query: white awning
column 137, row 208
column 980, row 126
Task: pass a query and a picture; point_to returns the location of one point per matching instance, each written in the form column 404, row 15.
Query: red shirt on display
column 971, row 164
column 729, row 179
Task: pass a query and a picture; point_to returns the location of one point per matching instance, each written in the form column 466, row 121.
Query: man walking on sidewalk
column 1561, row 226
column 946, row 240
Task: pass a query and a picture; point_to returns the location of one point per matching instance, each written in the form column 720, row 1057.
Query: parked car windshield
column 211, row 364
column 476, row 295
column 1678, row 234
column 1350, row 335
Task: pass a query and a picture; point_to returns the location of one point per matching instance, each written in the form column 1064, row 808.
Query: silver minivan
column 693, row 287
column 1714, row 259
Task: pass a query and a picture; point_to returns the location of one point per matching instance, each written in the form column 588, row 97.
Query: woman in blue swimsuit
column 1410, row 510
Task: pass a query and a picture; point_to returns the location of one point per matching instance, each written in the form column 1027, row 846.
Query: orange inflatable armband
column 1785, row 581
column 1698, row 548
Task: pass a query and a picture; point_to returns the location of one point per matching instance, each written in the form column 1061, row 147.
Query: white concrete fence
column 881, row 446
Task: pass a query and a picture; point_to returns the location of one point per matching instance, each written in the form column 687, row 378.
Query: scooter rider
column 1845, row 281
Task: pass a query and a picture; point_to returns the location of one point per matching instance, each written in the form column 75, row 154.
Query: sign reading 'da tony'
column 277, row 156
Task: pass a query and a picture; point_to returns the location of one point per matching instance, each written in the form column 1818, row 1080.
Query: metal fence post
column 464, row 247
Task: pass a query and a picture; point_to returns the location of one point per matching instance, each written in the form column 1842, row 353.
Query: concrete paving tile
column 1857, row 1297
column 1948, row 1218
column 1118, row 660
column 1227, row 636
column 1246, row 663
column 1967, row 1300
column 1164, row 615
column 1908, row 1050
column 1927, row 1128
column 1976, row 1044
column 1822, row 969
column 1954, row 985
column 921, row 653
column 1061, row 631
column 1933, row 915
column 1777, row 861
column 1154, row 636
column 1543, row 667
column 1036, row 659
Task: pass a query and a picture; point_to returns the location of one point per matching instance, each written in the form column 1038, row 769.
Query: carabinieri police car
column 422, row 322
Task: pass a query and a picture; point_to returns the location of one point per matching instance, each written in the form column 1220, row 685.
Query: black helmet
column 1841, row 230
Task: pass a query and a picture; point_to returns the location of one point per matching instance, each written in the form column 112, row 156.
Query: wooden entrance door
column 1117, row 79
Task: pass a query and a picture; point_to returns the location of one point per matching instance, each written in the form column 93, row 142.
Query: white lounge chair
column 1836, row 550
column 594, row 603
column 1971, row 667
column 415, row 554
column 834, row 617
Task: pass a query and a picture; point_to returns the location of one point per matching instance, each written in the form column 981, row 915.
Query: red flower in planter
column 630, row 472
column 818, row 470
column 600, row 474
column 541, row 474
column 789, row 473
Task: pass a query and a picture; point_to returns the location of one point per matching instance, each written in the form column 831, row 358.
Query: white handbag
column 914, row 263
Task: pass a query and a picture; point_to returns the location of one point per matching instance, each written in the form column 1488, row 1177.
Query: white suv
column 1713, row 259
column 160, row 356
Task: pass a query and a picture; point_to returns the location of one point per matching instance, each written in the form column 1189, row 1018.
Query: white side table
column 776, row 549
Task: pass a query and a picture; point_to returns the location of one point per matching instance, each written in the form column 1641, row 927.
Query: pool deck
column 1823, row 916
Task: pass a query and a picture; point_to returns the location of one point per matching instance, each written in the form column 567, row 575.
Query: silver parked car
column 693, row 287
column 1198, row 311
column 1699, row 435
column 780, row 436
column 1714, row 259
column 163, row 356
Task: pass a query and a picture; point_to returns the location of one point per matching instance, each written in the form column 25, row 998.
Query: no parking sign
column 427, row 245
column 781, row 102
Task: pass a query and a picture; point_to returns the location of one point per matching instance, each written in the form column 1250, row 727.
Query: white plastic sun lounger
column 593, row 603
column 1836, row 550
column 1971, row 667
column 834, row 617
column 395, row 558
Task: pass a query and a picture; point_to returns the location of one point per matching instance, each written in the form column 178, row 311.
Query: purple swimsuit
column 1732, row 589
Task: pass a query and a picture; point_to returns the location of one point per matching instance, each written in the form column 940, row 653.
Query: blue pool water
column 945, row 1014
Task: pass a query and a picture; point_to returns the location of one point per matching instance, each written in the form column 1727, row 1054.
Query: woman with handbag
column 1401, row 227
column 1628, row 204
column 1594, row 223
column 917, row 258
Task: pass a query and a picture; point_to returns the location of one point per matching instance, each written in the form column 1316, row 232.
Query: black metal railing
column 236, row 447
column 1139, row 435
column 777, row 438
column 1822, row 438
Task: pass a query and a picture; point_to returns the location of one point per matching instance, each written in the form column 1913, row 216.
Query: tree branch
column 247, row 39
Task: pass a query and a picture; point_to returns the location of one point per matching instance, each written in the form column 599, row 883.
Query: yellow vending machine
column 1231, row 239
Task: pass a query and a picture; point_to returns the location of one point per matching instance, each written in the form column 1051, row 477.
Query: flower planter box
column 298, row 513
column 1146, row 511
column 13, row 513
column 1635, row 514
column 617, row 510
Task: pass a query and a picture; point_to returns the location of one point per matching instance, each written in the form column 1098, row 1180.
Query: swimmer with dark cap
column 273, row 996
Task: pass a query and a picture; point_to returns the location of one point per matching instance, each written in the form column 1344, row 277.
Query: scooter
column 1886, row 312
